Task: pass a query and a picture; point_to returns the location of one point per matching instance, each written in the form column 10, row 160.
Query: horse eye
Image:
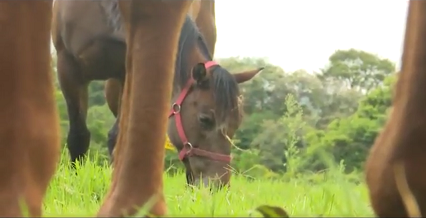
column 206, row 121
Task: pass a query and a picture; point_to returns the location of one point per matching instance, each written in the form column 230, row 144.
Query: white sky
column 302, row 34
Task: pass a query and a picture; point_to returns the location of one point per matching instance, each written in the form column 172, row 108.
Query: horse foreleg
column 113, row 93
column 153, row 29
column 29, row 126
column 113, row 90
column 75, row 92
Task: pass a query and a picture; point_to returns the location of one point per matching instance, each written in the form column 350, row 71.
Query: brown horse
column 402, row 142
column 29, row 105
column 211, row 110
column 203, row 13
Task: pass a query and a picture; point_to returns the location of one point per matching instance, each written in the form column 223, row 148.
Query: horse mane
column 222, row 83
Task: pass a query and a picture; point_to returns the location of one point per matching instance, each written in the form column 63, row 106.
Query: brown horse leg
column 153, row 33
column 207, row 24
column 113, row 93
column 29, row 130
column 106, row 208
column 74, row 89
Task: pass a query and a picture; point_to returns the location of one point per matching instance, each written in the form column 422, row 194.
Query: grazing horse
column 203, row 13
column 90, row 44
column 207, row 93
column 402, row 142
column 152, row 33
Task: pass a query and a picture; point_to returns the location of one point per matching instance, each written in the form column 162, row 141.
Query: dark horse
column 89, row 40
column 29, row 127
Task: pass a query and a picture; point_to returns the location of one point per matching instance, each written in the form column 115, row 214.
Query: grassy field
column 327, row 194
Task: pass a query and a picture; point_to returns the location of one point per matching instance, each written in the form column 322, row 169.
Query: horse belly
column 103, row 59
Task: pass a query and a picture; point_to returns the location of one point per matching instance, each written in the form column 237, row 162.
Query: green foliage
column 101, row 121
column 96, row 90
column 358, row 69
column 350, row 138
column 295, row 123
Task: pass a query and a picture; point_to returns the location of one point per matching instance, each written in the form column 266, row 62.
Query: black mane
column 223, row 84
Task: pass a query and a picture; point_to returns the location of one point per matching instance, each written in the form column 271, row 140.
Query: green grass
column 326, row 194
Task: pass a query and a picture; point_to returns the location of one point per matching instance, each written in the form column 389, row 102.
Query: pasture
column 327, row 194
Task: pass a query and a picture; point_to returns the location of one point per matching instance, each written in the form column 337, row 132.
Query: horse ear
column 199, row 73
column 247, row 75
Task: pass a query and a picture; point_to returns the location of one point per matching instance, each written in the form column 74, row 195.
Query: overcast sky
column 302, row 34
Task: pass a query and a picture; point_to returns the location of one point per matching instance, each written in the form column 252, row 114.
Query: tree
column 258, row 96
column 357, row 69
column 257, row 92
column 350, row 138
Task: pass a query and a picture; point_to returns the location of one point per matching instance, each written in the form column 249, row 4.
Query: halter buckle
column 189, row 145
column 176, row 108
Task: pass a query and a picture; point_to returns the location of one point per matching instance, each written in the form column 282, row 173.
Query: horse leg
column 112, row 138
column 206, row 22
column 74, row 89
column 29, row 125
column 113, row 91
column 153, row 27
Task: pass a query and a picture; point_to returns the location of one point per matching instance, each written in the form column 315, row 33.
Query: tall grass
column 327, row 194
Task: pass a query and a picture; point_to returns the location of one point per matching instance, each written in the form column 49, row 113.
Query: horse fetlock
column 112, row 138
column 78, row 143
